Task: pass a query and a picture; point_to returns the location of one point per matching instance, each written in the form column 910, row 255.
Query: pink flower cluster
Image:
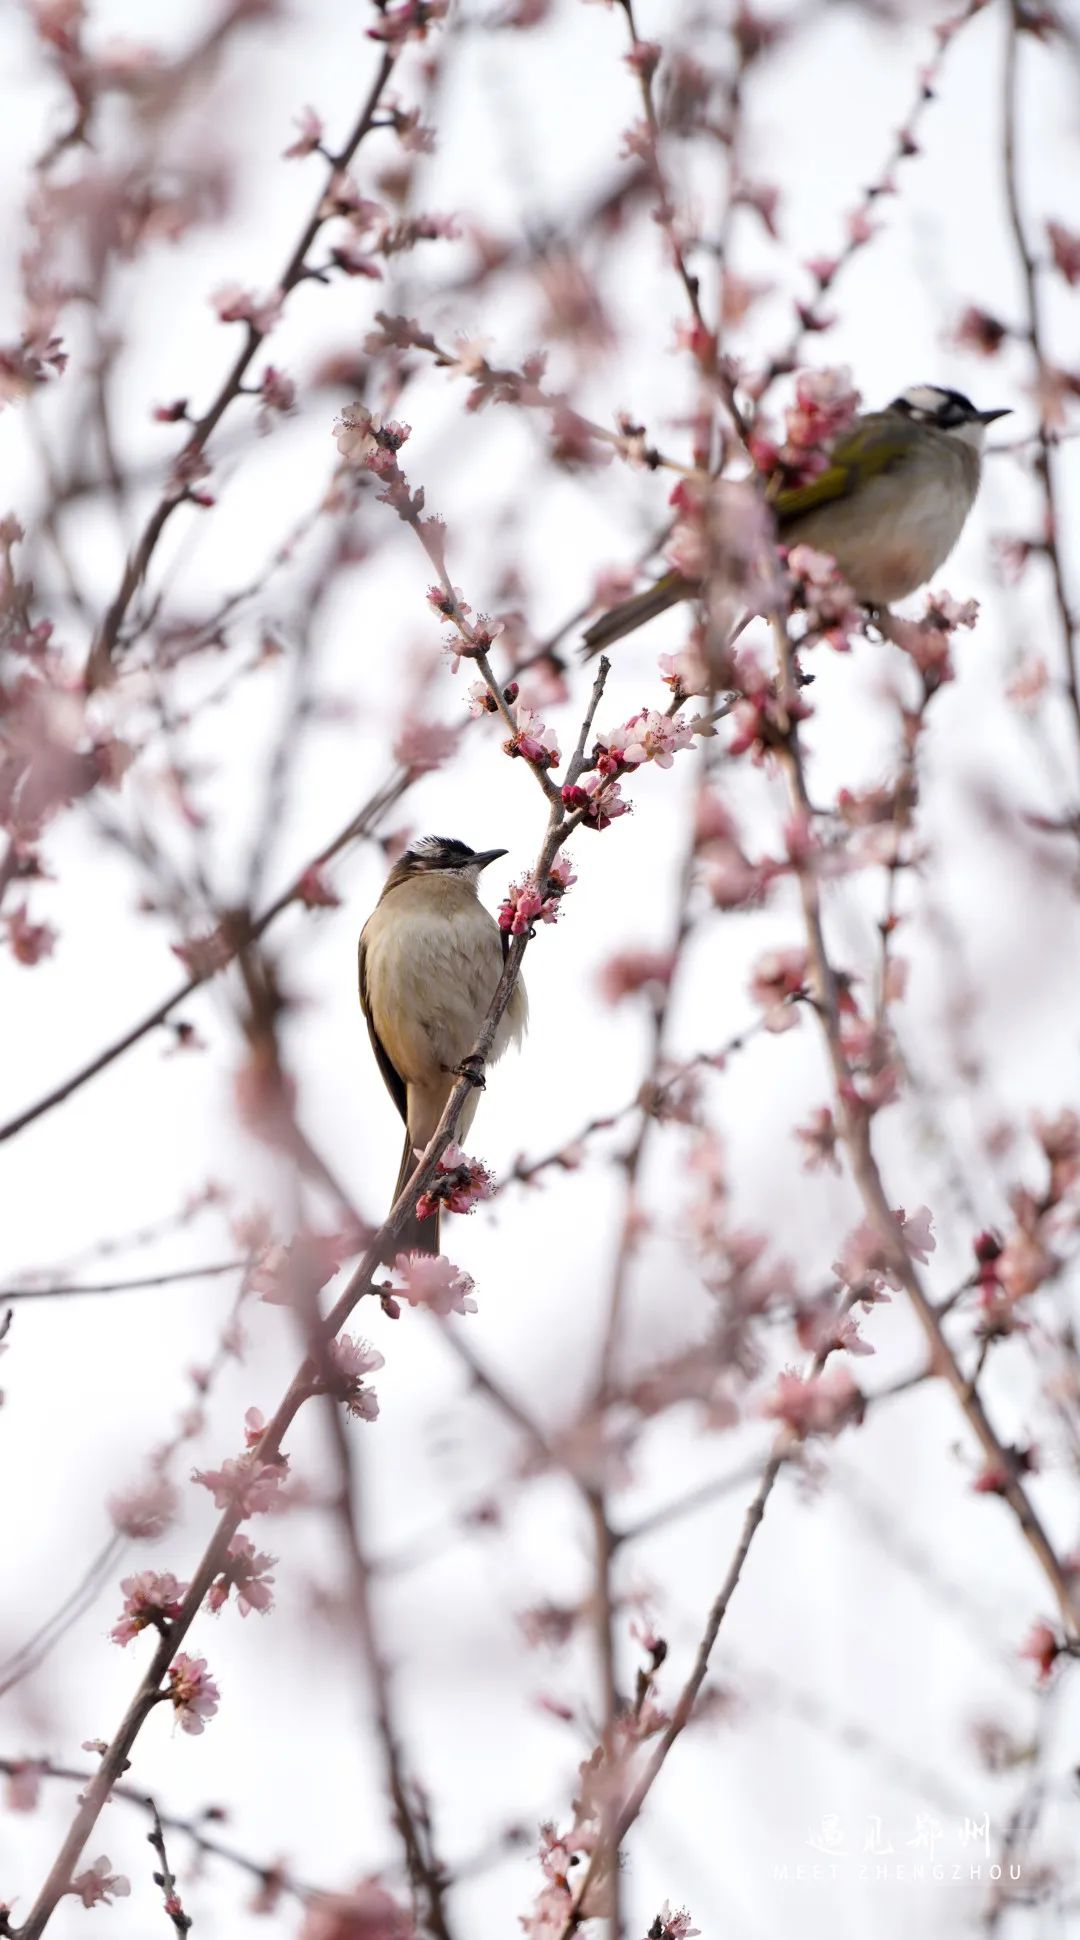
column 246, row 1483
column 867, row 1266
column 598, row 800
column 148, row 1599
column 435, row 1283
column 367, row 441
column 247, row 1572
column 531, row 739
column 408, row 20
column 825, row 405
column 647, row 736
column 778, row 978
column 524, row 904
column 99, row 1885
column 830, row 608
column 459, row 1184
column 352, row 1360
column 631, row 971
column 192, row 1692
column 817, row 1404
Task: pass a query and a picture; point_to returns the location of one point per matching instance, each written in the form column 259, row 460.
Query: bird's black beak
column 987, row 417
column 487, row 855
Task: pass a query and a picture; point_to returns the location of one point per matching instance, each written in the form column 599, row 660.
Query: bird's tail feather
column 417, row 1235
column 632, row 613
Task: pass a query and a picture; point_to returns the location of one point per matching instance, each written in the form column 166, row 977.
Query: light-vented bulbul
column 430, row 960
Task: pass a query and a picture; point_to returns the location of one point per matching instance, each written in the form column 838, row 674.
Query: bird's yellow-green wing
column 862, row 453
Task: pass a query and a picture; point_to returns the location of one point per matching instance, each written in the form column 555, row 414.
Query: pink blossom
column 98, row 1886
column 148, row 1599
column 599, row 800
column 235, row 305
column 1030, row 683
column 561, row 874
column 818, row 1138
column 630, row 971
column 777, row 978
column 481, row 701
column 422, row 746
column 192, row 1692
column 367, row 1913
column 819, row 1404
column 144, row 1513
column 408, row 20
column 277, row 396
column 311, row 134
column 247, row 1572
column 683, row 672
column 315, row 892
column 648, row 736
column 244, row 1483
column 866, row 1264
column 531, row 739
column 365, row 440
column 671, row 1925
column 459, row 1184
column 203, row 956
column 23, row 1785
column 1043, row 1648
column 351, row 1360
column 1065, row 249
column 435, row 1283
column 612, row 584
column 978, row 331
column 523, row 905
column 29, row 942
column 832, row 612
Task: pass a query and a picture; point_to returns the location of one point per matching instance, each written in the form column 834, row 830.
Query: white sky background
column 825, row 1611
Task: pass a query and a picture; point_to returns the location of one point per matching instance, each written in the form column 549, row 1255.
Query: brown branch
column 1035, row 331
column 59, row 1290
column 854, row 1122
column 107, row 639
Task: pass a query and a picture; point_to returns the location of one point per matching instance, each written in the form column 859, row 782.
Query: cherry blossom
column 235, row 305
column 459, row 1184
column 778, row 977
column 99, row 1885
column 145, row 1512
column 367, row 1913
column 435, row 1283
column 1042, row 1647
column 192, row 1692
column 148, row 1599
column 817, row 1404
column 1065, row 249
column 351, row 1360
column 531, row 739
column 310, row 136
column 631, row 971
column 245, row 1484
column 247, row 1572
column 670, row 1924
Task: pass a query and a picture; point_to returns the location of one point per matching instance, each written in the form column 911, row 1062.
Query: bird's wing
column 864, row 452
column 392, row 1078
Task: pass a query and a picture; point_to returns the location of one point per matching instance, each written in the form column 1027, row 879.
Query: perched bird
column 889, row 507
column 430, row 960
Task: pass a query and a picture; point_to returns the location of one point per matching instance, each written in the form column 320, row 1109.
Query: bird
column 430, row 959
column 889, row 507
